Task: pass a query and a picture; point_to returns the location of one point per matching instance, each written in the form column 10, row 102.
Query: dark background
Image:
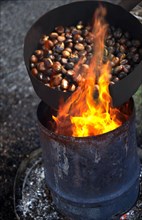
column 18, row 130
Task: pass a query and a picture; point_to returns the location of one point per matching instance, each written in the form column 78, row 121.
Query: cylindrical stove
column 93, row 178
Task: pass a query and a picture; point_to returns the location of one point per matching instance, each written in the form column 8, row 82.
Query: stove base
column 99, row 210
column 32, row 198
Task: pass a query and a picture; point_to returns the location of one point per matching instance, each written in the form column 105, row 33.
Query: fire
column 88, row 111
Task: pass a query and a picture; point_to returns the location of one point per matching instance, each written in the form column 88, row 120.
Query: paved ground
column 18, row 101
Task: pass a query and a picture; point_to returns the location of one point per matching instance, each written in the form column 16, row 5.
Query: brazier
column 92, row 178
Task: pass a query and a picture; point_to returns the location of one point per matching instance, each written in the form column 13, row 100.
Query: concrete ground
column 19, row 134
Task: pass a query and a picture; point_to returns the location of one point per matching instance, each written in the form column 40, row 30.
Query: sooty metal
column 92, row 178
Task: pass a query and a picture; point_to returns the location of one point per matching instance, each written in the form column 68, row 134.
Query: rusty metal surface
column 82, row 173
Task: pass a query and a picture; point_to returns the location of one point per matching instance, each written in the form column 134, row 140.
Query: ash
column 36, row 202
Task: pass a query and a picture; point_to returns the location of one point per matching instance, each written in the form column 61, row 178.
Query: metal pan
column 68, row 15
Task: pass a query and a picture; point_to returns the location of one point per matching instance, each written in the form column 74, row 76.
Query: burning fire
column 88, row 110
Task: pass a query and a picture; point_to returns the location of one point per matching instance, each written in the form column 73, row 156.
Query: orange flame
column 88, row 111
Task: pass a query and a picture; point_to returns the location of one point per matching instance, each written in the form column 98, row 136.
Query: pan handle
column 129, row 4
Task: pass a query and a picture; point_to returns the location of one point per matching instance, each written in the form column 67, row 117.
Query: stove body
column 92, row 178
